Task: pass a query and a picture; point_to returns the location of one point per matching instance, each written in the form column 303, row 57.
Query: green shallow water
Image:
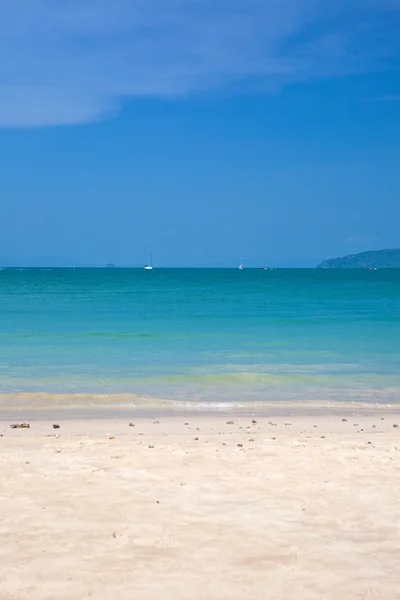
column 202, row 336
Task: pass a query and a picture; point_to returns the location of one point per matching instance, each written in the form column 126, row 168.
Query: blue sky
column 206, row 128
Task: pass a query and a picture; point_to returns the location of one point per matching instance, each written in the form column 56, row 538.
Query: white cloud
column 361, row 240
column 74, row 61
column 388, row 98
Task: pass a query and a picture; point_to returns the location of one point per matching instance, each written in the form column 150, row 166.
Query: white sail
column 149, row 265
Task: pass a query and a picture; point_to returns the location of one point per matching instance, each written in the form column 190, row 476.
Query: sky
column 205, row 128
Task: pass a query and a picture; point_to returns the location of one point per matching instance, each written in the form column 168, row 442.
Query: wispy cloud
column 361, row 240
column 388, row 98
column 76, row 61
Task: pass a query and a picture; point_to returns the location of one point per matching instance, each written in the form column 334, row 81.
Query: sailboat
column 241, row 264
column 149, row 265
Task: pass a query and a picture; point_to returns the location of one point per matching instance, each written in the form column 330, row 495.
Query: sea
column 124, row 339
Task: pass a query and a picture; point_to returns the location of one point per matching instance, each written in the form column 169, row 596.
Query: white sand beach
column 192, row 507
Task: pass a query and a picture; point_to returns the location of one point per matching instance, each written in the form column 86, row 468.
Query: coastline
column 207, row 506
column 43, row 405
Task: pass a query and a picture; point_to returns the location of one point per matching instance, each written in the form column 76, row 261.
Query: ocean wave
column 113, row 405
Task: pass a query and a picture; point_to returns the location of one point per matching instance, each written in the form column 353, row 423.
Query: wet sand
column 302, row 506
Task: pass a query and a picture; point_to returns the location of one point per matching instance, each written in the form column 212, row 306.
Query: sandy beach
column 303, row 506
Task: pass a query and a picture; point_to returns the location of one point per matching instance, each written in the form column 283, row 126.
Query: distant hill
column 376, row 259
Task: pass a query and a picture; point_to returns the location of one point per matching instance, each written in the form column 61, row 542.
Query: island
column 375, row 259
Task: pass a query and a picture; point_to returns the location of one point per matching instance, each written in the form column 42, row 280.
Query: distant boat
column 149, row 265
column 241, row 267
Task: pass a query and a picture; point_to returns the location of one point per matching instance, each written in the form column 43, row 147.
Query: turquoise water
column 204, row 336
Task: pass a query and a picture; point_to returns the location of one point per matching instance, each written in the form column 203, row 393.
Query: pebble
column 395, row 425
column 344, row 420
column 254, row 421
column 240, row 445
column 55, row 426
column 230, row 422
column 131, row 424
column 20, row 426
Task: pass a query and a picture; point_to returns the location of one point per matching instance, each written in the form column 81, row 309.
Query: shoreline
column 42, row 406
